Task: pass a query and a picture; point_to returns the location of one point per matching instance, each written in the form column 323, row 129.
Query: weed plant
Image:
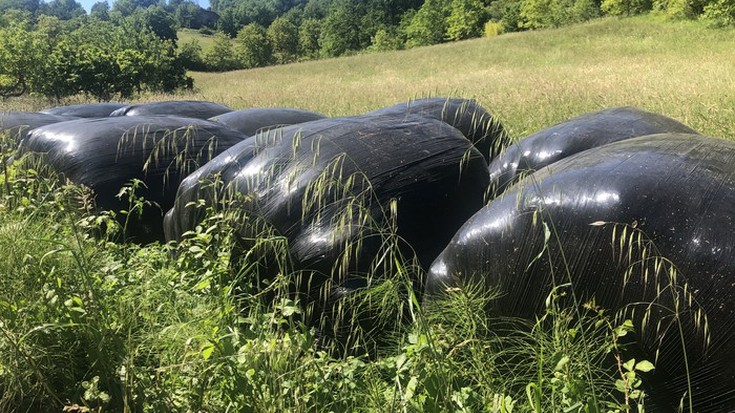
column 89, row 325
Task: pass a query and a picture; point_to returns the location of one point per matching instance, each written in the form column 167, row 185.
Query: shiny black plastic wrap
column 475, row 122
column 575, row 135
column 185, row 108
column 106, row 154
column 326, row 184
column 89, row 110
column 17, row 125
column 588, row 219
column 252, row 121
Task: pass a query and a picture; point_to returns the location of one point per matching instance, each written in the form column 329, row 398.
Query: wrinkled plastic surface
column 252, row 121
column 359, row 164
column 90, row 110
column 678, row 191
column 106, row 154
column 576, row 135
column 475, row 122
column 18, row 124
column 185, row 108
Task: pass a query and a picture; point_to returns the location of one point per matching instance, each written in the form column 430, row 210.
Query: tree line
column 266, row 32
column 56, row 49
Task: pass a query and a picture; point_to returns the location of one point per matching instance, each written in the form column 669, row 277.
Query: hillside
column 188, row 35
column 532, row 79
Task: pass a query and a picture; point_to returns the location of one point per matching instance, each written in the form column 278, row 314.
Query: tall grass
column 91, row 325
column 531, row 80
column 206, row 41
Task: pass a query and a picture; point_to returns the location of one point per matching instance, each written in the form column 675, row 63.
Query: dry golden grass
column 205, row 41
column 530, row 80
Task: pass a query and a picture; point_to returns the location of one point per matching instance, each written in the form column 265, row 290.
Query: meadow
column 187, row 35
column 91, row 325
column 530, row 80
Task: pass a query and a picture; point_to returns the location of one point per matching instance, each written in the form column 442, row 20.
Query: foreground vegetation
column 88, row 324
column 104, row 326
column 529, row 80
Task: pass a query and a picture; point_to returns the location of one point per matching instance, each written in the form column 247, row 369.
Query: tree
column 221, row 57
column 385, row 40
column 63, row 9
column 98, row 58
column 624, row 7
column 31, row 6
column 256, row 12
column 60, row 68
column 372, row 20
column 465, row 20
column 10, row 17
column 156, row 19
column 128, row 7
column 428, row 25
column 309, row 33
column 20, row 59
column 252, row 46
column 507, row 13
column 122, row 60
column 186, row 13
column 341, row 29
column 720, row 13
column 316, row 9
column 681, row 9
column 190, row 56
column 49, row 28
column 100, row 11
column 171, row 5
column 393, row 10
column 228, row 22
column 537, row 14
column 404, row 23
column 283, row 37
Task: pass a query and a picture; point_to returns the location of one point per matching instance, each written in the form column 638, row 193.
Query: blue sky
column 87, row 4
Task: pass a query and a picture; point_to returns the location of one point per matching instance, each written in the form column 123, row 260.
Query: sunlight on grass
column 531, row 80
column 206, row 41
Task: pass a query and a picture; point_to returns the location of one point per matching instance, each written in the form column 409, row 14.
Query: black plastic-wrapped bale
column 89, row 110
column 106, row 154
column 185, row 108
column 18, row 124
column 252, row 121
column 576, row 135
column 475, row 122
column 326, row 183
column 565, row 223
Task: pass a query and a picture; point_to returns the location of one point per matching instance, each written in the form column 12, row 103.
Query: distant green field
column 681, row 69
column 188, row 35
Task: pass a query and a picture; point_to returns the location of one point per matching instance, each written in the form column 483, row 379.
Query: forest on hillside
column 57, row 49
